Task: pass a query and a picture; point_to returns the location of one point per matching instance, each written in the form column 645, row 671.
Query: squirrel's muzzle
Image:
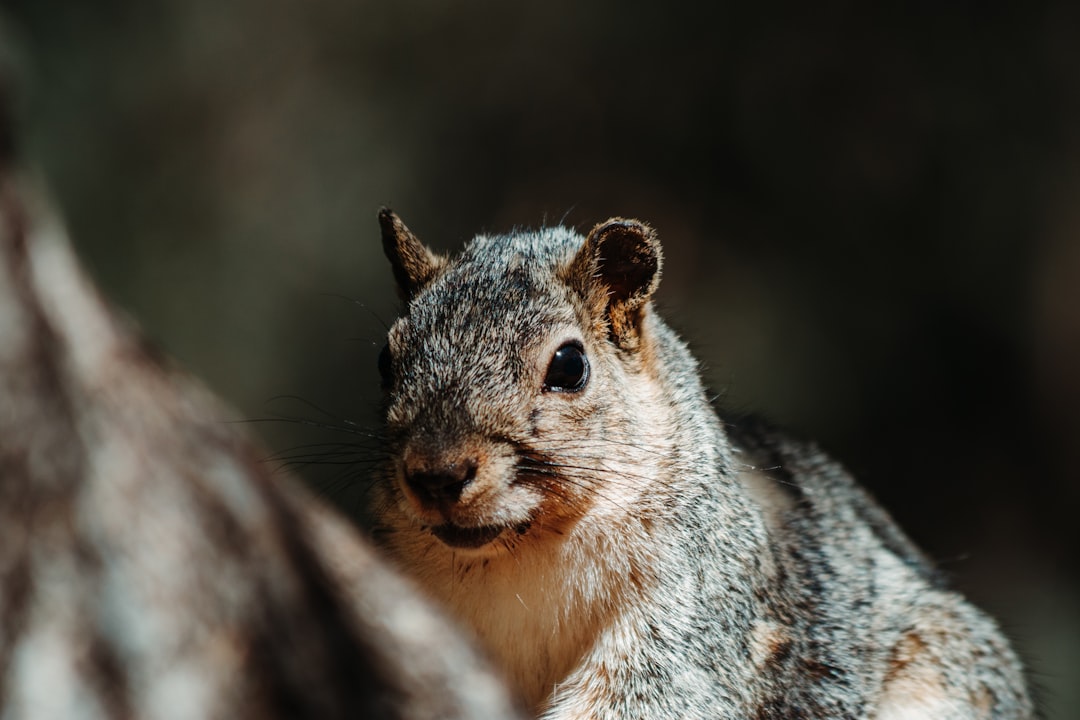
column 465, row 491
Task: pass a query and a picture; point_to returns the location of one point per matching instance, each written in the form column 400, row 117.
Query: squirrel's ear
column 413, row 263
column 618, row 269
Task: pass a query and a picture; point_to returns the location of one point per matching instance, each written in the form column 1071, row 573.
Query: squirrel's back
column 560, row 481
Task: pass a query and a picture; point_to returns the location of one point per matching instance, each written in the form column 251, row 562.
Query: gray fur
column 648, row 564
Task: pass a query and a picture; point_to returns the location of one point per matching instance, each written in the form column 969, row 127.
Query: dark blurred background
column 871, row 217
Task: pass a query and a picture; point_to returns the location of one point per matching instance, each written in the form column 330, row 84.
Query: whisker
column 563, row 478
column 313, row 406
column 352, row 429
column 600, row 470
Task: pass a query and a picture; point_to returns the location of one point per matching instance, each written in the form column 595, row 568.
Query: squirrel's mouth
column 463, row 537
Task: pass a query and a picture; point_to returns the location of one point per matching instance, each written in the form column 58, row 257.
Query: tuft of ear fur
column 413, row 263
column 618, row 270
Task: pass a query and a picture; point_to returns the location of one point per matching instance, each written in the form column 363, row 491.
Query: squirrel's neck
column 539, row 610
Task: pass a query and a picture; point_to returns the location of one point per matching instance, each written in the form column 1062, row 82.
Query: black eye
column 569, row 369
column 386, row 367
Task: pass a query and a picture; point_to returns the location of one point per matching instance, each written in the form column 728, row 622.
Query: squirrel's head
column 516, row 379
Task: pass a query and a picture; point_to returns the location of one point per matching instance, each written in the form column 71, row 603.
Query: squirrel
column 559, row 480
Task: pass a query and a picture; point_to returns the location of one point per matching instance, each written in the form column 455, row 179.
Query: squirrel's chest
column 536, row 614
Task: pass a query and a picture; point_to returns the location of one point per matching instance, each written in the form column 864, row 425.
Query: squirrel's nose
column 441, row 486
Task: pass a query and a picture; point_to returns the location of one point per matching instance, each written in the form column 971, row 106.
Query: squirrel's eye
column 569, row 369
column 386, row 369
